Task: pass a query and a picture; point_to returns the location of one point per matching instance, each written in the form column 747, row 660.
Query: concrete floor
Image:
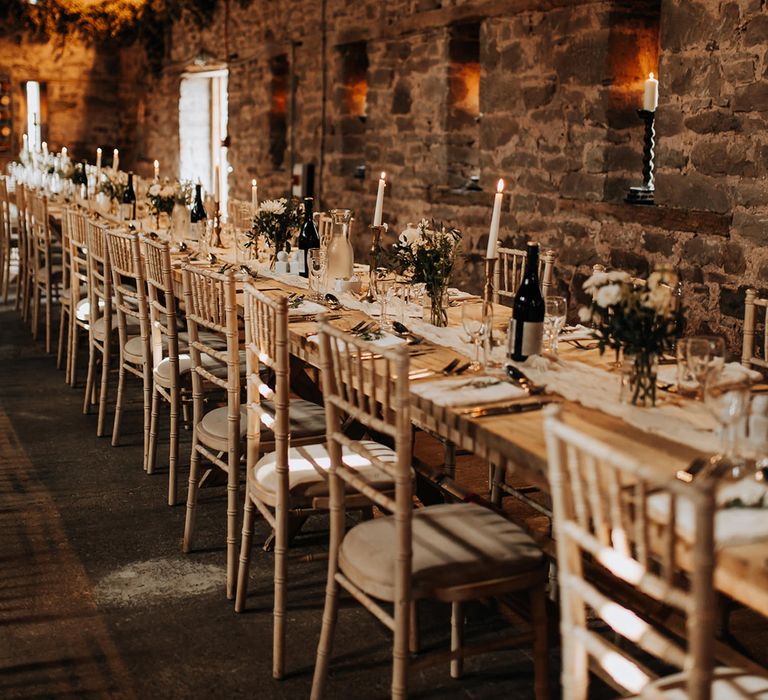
column 97, row 600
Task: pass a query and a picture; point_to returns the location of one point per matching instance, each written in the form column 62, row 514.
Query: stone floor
column 97, row 600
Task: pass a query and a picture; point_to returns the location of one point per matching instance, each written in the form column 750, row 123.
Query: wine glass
column 473, row 327
column 555, row 308
column 316, row 265
column 728, row 402
column 705, row 354
column 485, row 332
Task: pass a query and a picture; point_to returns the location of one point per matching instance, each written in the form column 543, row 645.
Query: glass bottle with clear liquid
column 340, row 256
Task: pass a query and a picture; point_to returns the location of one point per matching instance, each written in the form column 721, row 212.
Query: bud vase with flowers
column 276, row 221
column 640, row 318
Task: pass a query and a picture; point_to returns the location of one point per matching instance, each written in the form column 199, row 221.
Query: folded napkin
column 466, row 391
column 576, row 333
column 306, row 308
column 733, row 373
column 459, row 295
column 742, row 515
column 386, row 341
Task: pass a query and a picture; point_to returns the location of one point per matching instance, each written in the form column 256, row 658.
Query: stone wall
column 83, row 92
column 559, row 85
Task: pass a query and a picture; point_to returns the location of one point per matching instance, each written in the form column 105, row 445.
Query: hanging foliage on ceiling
column 96, row 21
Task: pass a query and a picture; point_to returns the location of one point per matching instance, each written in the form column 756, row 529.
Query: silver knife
column 520, row 407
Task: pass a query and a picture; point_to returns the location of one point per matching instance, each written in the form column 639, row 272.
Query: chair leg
column 498, row 473
column 62, row 327
column 72, row 352
column 330, row 613
column 189, row 521
column 89, row 381
column 245, row 554
column 457, row 639
column 35, row 309
column 118, row 406
column 173, row 450
column 148, row 391
column 540, row 643
column 281, row 556
column 48, row 304
column 400, row 656
column 232, row 486
column 149, row 466
column 103, row 390
column 414, row 643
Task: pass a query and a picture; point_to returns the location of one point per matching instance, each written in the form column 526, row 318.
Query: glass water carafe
column 340, row 256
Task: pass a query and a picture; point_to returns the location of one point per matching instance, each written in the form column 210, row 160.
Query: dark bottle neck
column 308, row 209
column 532, row 263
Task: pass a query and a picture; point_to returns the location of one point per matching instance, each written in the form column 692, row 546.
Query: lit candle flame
column 650, row 75
column 157, row 164
column 253, row 183
column 500, row 186
column 383, row 175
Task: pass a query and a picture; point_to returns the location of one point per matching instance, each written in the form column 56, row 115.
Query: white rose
column 154, row 190
column 618, row 276
column 166, row 191
column 659, row 299
column 608, row 295
column 585, row 314
column 597, row 279
column 409, row 235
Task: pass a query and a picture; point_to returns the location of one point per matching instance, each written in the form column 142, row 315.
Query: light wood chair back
column 25, row 248
column 509, row 270
column 614, row 511
column 6, row 237
column 163, row 318
column 754, row 304
column 266, row 345
column 100, row 279
column 40, row 233
column 77, row 227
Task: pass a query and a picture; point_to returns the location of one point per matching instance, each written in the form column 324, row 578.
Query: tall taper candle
column 45, row 149
column 651, row 96
column 254, row 196
column 115, row 160
column 157, row 171
column 98, row 159
column 493, row 235
column 379, row 210
column 24, row 143
column 63, row 152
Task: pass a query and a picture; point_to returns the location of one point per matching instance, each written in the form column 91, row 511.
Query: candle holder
column 644, row 194
column 216, row 238
column 489, row 290
column 373, row 263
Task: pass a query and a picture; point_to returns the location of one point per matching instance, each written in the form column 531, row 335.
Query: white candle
column 378, row 211
column 115, row 160
column 63, row 152
column 493, row 236
column 98, row 159
column 254, row 196
column 157, row 170
column 216, row 184
column 651, row 97
column 24, row 142
column 45, row 149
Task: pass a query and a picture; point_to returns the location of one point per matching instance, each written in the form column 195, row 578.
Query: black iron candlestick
column 373, row 263
column 644, row 194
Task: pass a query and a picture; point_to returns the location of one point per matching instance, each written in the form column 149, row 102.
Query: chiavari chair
column 509, row 270
column 65, row 294
column 102, row 321
column 78, row 286
column 749, row 356
column 25, row 257
column 9, row 241
column 47, row 273
column 452, row 552
column 130, row 308
column 290, row 479
column 616, row 513
column 210, row 304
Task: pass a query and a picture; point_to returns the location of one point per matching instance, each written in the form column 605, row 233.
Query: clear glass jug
column 340, row 256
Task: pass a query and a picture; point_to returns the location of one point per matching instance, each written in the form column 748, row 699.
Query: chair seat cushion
column 728, row 684
column 304, row 479
column 217, row 369
column 453, row 544
column 98, row 327
column 306, row 419
column 133, row 350
column 217, row 342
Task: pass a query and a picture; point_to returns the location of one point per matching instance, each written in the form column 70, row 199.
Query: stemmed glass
column 728, row 402
column 705, row 354
column 316, row 265
column 555, row 309
column 477, row 326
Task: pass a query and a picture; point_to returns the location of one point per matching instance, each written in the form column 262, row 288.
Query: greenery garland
column 125, row 21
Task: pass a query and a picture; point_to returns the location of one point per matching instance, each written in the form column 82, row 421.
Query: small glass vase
column 638, row 378
column 179, row 222
column 438, row 298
